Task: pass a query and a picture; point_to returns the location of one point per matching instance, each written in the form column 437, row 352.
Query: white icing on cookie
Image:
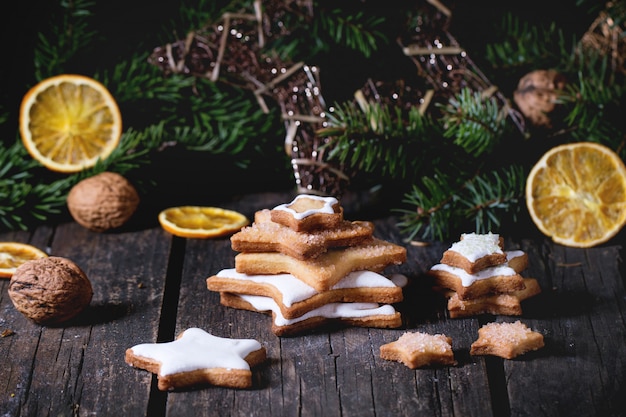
column 469, row 279
column 294, row 290
column 327, row 208
column 330, row 311
column 513, row 254
column 196, row 349
column 474, row 246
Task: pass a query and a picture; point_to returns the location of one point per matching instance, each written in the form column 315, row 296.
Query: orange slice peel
column 14, row 254
column 576, row 194
column 68, row 122
column 200, row 222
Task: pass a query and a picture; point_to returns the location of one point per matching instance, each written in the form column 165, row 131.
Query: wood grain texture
column 149, row 286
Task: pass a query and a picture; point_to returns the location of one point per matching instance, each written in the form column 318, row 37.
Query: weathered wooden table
column 149, row 286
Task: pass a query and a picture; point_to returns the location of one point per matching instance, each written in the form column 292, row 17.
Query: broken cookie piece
column 417, row 349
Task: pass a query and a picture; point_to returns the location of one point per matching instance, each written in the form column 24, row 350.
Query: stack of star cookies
column 479, row 277
column 306, row 265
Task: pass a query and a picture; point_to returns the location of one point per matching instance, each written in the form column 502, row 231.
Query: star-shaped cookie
column 417, row 349
column 198, row 357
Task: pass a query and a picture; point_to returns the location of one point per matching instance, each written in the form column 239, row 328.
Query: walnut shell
column 50, row 290
column 537, row 96
column 102, row 202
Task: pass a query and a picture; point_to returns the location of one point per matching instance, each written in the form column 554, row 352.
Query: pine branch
column 526, row 46
column 476, row 123
column 68, row 35
column 379, row 140
column 494, row 196
column 23, row 203
column 594, row 104
column 357, row 31
column 444, row 205
column 432, row 216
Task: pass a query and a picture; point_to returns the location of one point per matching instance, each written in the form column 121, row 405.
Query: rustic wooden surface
column 149, row 286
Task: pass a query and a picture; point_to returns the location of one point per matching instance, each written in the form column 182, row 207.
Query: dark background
column 126, row 27
column 138, row 26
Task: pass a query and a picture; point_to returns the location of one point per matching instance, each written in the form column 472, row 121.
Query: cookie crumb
column 7, row 332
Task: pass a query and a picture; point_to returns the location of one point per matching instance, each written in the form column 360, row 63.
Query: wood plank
column 21, row 343
column 78, row 367
column 581, row 370
column 149, row 286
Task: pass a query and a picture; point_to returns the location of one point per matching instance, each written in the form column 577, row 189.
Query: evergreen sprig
column 474, row 122
column 445, row 204
column 357, row 31
column 527, row 46
column 594, row 103
column 24, row 199
column 430, row 215
column 379, row 139
column 68, row 34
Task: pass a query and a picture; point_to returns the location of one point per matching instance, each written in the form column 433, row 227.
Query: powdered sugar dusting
column 418, row 342
column 475, row 246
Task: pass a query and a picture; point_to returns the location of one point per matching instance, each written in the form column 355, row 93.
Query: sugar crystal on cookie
column 474, row 246
column 417, row 349
column 507, row 340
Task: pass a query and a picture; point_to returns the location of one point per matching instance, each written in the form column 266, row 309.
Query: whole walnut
column 50, row 290
column 537, row 96
column 102, row 202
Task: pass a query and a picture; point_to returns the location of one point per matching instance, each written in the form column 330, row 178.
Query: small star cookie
column 507, row 340
column 309, row 212
column 197, row 357
column 418, row 349
column 475, row 252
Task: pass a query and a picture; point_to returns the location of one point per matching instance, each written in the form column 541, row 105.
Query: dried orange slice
column 14, row 254
column 201, row 222
column 69, row 122
column 576, row 194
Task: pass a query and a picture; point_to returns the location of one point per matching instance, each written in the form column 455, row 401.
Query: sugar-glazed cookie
column 499, row 279
column 295, row 298
column 475, row 252
column 328, row 268
column 197, row 357
column 309, row 212
column 349, row 314
column 499, row 304
column 507, row 340
column 265, row 235
column 417, row 349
